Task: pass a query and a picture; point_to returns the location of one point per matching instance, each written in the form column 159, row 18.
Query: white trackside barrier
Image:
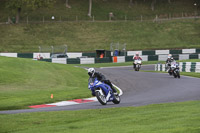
column 188, row 66
column 188, row 51
column 74, row 55
column 181, row 66
column 144, row 57
column 59, row 60
column 162, row 57
column 9, row 54
column 163, row 67
column 87, row 60
column 132, row 53
column 120, row 59
column 43, row 55
column 183, row 56
column 197, row 69
column 158, row 52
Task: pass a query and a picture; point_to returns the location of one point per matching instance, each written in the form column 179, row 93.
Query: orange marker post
column 51, row 96
column 115, row 59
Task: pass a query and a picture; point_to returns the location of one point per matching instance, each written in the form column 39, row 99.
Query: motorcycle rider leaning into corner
column 93, row 74
column 136, row 57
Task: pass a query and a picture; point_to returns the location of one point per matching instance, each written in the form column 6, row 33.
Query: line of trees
column 16, row 6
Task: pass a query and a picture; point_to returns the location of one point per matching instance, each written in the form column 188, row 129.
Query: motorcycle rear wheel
column 101, row 98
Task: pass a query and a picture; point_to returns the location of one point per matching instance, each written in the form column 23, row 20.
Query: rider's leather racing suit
column 102, row 78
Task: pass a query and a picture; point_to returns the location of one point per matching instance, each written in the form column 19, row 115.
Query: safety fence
column 105, row 18
column 91, row 58
column 184, row 67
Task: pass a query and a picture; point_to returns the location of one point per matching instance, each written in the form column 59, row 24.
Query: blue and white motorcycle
column 102, row 91
column 175, row 69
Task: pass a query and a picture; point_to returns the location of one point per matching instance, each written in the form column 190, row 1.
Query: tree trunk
column 153, row 5
column 90, row 8
column 131, row 2
column 9, row 21
column 67, row 4
column 169, row 1
column 18, row 15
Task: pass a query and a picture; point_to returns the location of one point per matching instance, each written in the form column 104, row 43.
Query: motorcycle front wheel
column 175, row 76
column 116, row 99
column 178, row 75
column 101, row 98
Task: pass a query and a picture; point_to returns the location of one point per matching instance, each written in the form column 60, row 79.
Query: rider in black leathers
column 93, row 74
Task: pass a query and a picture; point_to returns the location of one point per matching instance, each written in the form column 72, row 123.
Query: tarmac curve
column 139, row 88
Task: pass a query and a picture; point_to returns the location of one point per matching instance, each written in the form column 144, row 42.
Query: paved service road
column 139, row 88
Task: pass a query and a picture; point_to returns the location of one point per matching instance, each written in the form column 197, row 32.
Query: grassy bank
column 25, row 82
column 166, row 118
column 191, row 74
column 89, row 36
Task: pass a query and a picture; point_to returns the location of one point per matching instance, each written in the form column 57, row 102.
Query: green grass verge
column 89, row 36
column 190, row 60
column 191, row 74
column 160, row 118
column 26, row 82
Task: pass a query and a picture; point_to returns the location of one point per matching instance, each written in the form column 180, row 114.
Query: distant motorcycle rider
column 136, row 57
column 93, row 74
column 169, row 60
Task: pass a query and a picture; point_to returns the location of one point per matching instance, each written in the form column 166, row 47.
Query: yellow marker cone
column 51, row 96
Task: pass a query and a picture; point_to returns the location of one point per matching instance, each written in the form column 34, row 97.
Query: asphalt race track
column 139, row 88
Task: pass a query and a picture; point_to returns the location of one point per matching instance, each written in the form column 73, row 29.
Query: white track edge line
column 120, row 91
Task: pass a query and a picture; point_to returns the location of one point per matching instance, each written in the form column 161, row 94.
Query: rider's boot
column 93, row 94
column 114, row 91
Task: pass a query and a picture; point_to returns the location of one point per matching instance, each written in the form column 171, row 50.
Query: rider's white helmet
column 91, row 71
column 169, row 55
column 137, row 54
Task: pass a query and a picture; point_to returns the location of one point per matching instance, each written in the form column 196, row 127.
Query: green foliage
column 102, row 8
column 30, row 4
column 33, row 4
